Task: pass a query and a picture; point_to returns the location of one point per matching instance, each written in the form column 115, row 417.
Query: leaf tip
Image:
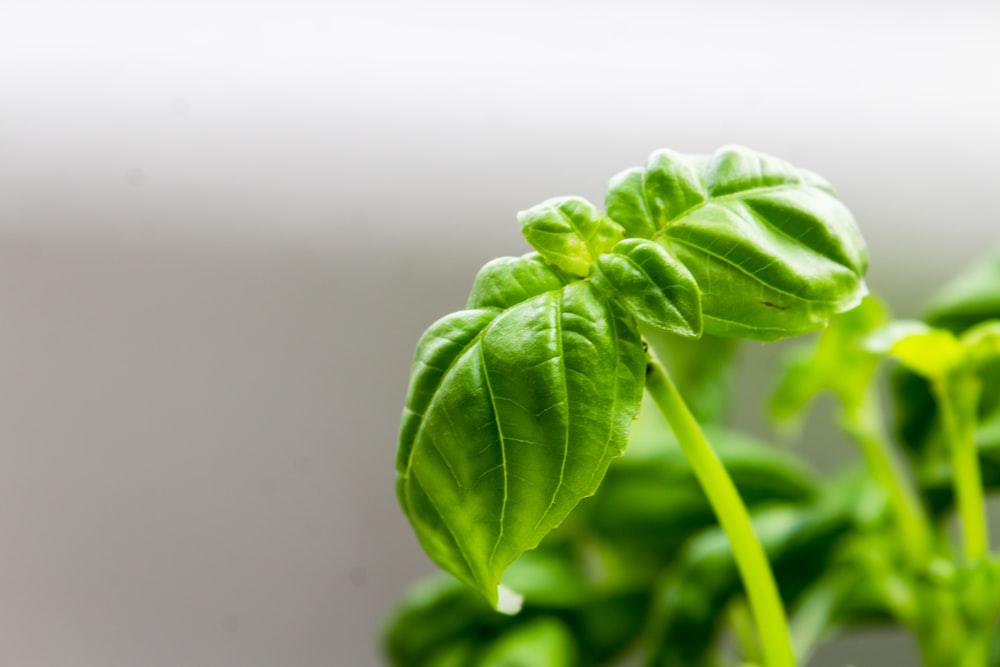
column 508, row 602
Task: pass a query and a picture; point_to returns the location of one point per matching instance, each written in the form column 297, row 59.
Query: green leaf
column 799, row 542
column 545, row 642
column 982, row 343
column 512, row 417
column 644, row 201
column 658, row 289
column 570, row 233
column 930, row 353
column 773, row 251
column 971, row 298
column 507, row 281
column 654, row 503
column 437, row 612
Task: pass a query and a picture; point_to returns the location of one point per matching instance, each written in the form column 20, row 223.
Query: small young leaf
column 643, row 201
column 512, row 417
column 507, row 281
column 773, row 251
column 570, row 233
column 658, row 289
column 982, row 343
column 928, row 352
column 970, row 299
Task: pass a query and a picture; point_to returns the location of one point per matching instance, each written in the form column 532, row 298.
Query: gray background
column 224, row 226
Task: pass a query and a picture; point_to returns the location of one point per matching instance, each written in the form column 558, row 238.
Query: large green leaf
column 512, row 417
column 774, row 252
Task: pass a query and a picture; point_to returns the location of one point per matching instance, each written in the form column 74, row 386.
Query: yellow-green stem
column 957, row 399
column 861, row 420
column 754, row 568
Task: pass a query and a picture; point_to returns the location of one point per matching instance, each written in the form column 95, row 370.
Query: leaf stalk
column 751, row 560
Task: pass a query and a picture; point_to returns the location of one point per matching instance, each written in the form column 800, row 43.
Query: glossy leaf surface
column 507, row 281
column 570, row 233
column 658, row 289
column 774, row 252
column 512, row 418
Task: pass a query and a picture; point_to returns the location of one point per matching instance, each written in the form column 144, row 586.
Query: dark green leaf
column 438, row 612
column 973, row 296
column 512, row 418
column 570, row 233
column 773, row 251
column 798, row 540
column 654, row 504
column 658, row 289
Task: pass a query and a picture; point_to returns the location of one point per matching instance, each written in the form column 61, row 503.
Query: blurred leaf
column 837, row 360
column 798, row 540
column 436, row 613
column 655, row 503
column 544, row 642
column 702, row 370
column 971, row 298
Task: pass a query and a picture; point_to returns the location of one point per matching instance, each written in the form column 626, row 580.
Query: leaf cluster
column 521, row 405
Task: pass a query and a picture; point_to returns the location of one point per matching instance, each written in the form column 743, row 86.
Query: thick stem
column 758, row 580
column 861, row 420
column 958, row 399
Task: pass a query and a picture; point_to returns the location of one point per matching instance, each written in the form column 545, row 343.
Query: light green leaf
column 773, row 250
column 658, row 289
column 512, row 417
column 507, row 281
column 545, row 642
column 929, row 352
column 570, row 233
column 982, row 342
column 971, row 297
column 643, row 201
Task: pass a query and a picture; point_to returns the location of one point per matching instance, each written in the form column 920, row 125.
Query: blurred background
column 224, row 225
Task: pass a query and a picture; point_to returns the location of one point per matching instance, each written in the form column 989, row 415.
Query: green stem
column 861, row 420
column 758, row 580
column 958, row 398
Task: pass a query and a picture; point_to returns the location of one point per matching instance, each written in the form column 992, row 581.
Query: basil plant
column 518, row 405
